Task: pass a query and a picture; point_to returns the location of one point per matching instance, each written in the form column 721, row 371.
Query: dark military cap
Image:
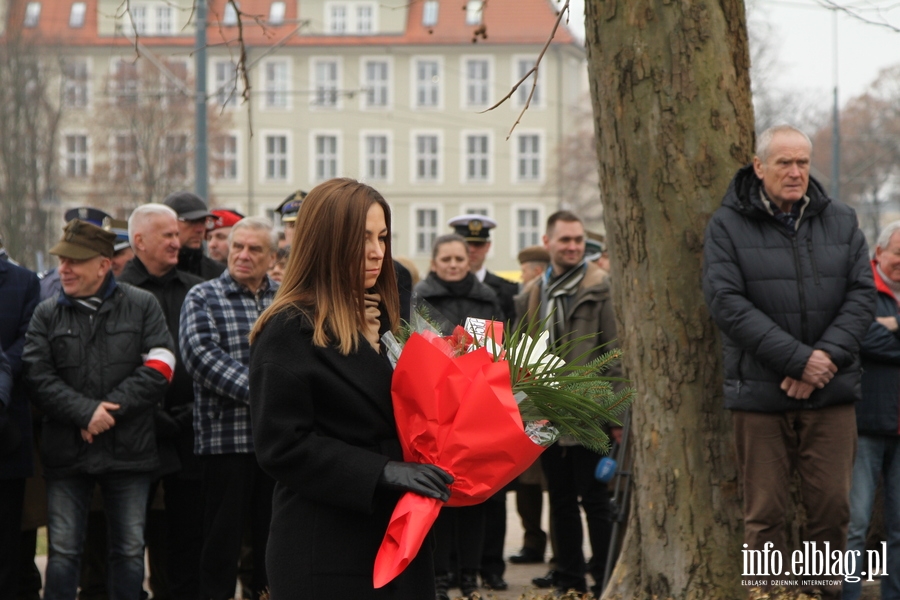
column 87, row 214
column 473, row 227
column 291, row 206
column 82, row 240
column 120, row 228
column 188, row 206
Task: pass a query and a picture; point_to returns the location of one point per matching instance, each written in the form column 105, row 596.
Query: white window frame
column 164, row 24
column 465, row 156
column 224, row 92
column 414, row 156
column 229, row 17
column 266, row 157
column 66, row 156
column 164, row 151
column 138, row 15
column 337, row 24
column 32, row 15
column 314, row 135
column 465, row 82
column 277, row 93
column 77, row 15
column 114, row 154
column 414, row 84
column 517, row 156
column 385, row 86
column 474, row 12
column 424, row 250
column 215, row 155
column 276, row 13
column 373, row 18
column 521, row 95
column 120, row 93
column 430, row 13
column 517, row 229
column 364, row 155
column 79, row 87
column 314, row 63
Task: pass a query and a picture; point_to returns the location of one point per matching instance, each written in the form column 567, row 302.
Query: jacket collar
column 744, row 195
column 106, row 292
column 880, row 285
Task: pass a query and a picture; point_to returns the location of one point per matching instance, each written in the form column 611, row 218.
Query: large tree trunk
column 671, row 94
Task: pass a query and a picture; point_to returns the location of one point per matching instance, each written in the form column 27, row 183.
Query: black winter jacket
column 174, row 419
column 777, row 297
column 196, row 263
column 74, row 360
column 480, row 302
column 877, row 412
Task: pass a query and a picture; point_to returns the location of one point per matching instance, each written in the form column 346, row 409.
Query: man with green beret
column 99, row 358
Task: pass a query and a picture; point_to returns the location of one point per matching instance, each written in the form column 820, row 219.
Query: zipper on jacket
column 812, row 260
column 804, row 321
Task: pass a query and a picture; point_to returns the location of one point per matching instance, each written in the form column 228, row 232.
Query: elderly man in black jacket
column 99, row 358
column 153, row 231
column 787, row 280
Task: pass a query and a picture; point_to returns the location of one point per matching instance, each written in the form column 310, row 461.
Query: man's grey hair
column 764, row 140
column 257, row 224
column 884, row 238
column 144, row 213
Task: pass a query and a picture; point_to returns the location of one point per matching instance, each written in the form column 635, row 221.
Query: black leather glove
column 426, row 480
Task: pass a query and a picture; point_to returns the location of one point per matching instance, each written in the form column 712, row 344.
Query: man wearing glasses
column 194, row 219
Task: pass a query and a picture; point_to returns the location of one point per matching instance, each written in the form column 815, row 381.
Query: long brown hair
column 325, row 272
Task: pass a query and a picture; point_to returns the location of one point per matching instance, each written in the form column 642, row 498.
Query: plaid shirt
column 216, row 319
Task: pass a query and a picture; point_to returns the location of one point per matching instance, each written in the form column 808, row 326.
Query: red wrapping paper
column 459, row 414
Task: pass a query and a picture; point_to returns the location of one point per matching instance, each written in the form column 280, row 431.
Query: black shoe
column 546, row 581
column 492, row 581
column 468, row 582
column 526, row 556
column 442, row 587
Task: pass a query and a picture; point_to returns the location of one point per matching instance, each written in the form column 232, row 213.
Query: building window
column 276, row 157
column 426, row 229
column 427, row 159
column 226, row 83
column 126, row 82
column 477, row 76
column 276, row 84
column 430, row 13
column 365, row 16
column 474, row 12
column 76, row 16
column 225, row 157
column 164, row 24
column 477, row 158
column 528, row 228
column 428, row 83
column 125, row 153
column 32, row 14
column 376, row 83
column 326, row 157
column 528, row 162
column 525, row 65
column 175, row 154
column 176, row 95
column 139, row 19
column 76, row 156
column 376, row 157
column 337, row 19
column 231, row 16
column 276, row 13
column 326, row 83
column 75, row 86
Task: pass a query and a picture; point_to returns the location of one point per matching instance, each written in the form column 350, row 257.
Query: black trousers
column 492, row 562
column 184, row 536
column 460, row 529
column 570, row 483
column 234, row 489
column 12, row 495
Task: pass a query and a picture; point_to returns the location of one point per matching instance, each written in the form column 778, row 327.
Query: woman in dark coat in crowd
column 323, row 422
column 455, row 293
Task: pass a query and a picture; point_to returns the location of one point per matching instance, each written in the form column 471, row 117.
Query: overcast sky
column 803, row 35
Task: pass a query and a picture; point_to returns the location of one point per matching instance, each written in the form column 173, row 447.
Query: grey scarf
column 555, row 295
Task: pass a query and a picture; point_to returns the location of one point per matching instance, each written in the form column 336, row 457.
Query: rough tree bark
column 671, row 93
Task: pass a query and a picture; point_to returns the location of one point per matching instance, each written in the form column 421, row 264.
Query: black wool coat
column 323, row 427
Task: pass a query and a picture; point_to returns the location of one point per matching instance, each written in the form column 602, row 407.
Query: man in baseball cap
column 194, row 220
column 217, row 236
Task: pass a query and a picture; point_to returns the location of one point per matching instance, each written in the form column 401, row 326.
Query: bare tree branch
column 829, row 4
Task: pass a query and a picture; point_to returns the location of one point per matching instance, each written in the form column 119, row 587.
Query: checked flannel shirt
column 216, row 319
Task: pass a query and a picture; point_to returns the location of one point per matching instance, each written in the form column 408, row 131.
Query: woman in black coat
column 454, row 293
column 323, row 422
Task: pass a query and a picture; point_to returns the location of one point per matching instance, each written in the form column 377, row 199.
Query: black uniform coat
column 323, row 427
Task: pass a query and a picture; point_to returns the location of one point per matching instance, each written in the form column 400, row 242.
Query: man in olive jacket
column 787, row 280
column 99, row 358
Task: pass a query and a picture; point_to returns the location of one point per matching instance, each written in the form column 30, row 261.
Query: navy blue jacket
column 20, row 292
column 878, row 411
column 777, row 297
